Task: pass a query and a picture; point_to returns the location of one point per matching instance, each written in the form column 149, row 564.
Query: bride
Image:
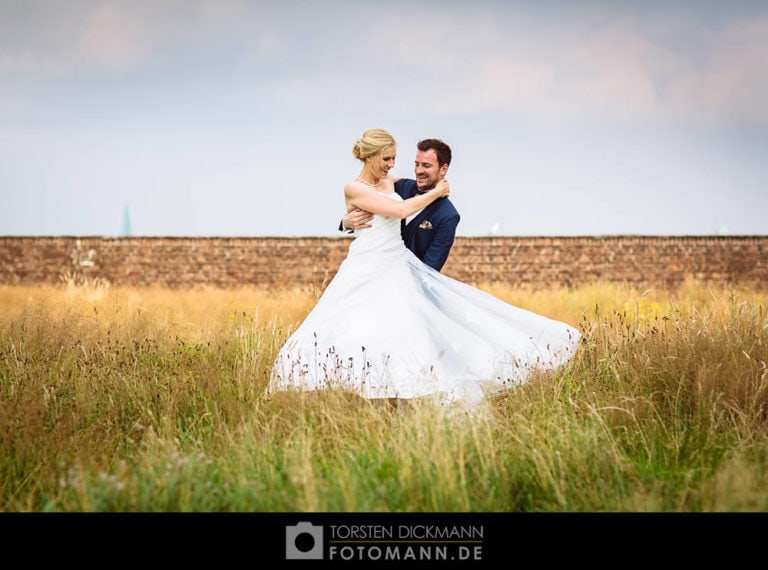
column 389, row 326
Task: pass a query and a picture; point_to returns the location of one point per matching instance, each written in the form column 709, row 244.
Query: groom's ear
column 443, row 170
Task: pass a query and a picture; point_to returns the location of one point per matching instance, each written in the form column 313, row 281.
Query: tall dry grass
column 121, row 399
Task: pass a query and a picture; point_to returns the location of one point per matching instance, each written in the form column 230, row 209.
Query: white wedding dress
column 389, row 326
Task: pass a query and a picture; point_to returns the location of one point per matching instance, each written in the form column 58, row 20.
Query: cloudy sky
column 237, row 117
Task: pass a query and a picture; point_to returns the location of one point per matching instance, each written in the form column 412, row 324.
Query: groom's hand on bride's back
column 356, row 219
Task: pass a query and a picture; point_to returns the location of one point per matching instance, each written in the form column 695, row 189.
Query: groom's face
column 426, row 169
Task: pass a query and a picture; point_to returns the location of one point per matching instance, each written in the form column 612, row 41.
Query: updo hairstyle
column 372, row 142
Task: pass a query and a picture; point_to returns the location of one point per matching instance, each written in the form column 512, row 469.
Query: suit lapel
column 420, row 216
column 408, row 230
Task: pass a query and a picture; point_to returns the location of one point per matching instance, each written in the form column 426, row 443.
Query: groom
column 429, row 233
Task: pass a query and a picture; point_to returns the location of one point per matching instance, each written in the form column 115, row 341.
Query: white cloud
column 631, row 66
column 732, row 84
column 114, row 36
column 478, row 59
column 53, row 40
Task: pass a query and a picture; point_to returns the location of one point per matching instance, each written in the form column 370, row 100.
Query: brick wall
column 301, row 261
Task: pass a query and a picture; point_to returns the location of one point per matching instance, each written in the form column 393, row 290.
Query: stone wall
column 288, row 262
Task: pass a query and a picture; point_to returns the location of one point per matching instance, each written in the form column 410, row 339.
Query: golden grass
column 129, row 399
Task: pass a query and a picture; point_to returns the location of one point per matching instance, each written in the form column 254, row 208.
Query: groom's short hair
column 442, row 150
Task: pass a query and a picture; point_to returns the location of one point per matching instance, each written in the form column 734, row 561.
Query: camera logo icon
column 304, row 541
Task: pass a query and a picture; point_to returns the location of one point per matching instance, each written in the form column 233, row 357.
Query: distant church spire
column 126, row 229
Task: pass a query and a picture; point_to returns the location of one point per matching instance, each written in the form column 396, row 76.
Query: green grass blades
column 152, row 400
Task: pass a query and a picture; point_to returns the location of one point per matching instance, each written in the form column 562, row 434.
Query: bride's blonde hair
column 372, row 142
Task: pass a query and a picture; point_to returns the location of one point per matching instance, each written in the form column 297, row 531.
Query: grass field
column 122, row 399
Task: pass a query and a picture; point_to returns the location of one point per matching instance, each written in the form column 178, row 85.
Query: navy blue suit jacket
column 431, row 233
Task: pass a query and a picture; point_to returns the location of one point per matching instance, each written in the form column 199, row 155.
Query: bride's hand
column 443, row 188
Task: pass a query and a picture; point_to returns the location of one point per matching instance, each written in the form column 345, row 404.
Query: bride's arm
column 358, row 196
